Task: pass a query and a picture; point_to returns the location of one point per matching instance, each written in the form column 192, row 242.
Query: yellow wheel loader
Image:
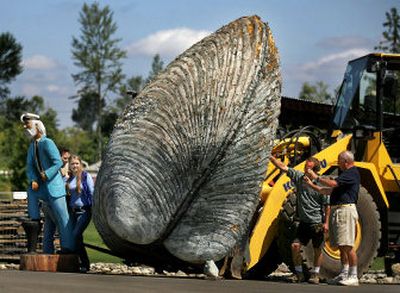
column 366, row 120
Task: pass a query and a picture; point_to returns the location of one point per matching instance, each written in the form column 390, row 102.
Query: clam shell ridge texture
column 187, row 158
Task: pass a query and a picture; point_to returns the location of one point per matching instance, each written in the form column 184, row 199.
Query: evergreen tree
column 156, row 66
column 133, row 86
column 316, row 93
column 10, row 61
column 127, row 92
column 97, row 54
column 13, row 142
column 80, row 142
column 391, row 37
column 88, row 107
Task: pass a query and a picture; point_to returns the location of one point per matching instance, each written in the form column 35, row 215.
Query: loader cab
column 369, row 100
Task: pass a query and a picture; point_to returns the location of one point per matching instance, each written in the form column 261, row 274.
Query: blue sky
column 315, row 38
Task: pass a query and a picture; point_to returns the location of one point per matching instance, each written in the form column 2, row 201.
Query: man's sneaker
column 296, row 278
column 314, row 279
column 337, row 279
column 349, row 281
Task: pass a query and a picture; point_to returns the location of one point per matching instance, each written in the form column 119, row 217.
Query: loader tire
column 288, row 225
column 367, row 242
column 268, row 264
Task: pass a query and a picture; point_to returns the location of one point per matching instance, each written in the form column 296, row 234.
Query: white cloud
column 167, row 43
column 29, row 89
column 334, row 59
column 53, row 88
column 59, row 90
column 326, row 68
column 346, row 42
column 39, row 62
column 329, row 69
column 44, row 89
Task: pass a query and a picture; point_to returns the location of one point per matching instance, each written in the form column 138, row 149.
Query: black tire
column 390, row 260
column 370, row 223
column 268, row 263
column 287, row 224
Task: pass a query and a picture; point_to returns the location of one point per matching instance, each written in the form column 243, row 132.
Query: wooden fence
column 13, row 241
column 12, row 235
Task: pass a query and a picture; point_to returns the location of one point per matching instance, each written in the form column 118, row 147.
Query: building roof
column 296, row 113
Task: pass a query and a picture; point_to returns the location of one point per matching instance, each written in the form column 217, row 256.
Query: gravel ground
column 371, row 277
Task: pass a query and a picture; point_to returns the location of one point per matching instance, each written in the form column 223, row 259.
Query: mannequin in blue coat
column 45, row 180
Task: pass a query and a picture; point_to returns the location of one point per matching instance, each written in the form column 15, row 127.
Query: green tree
column 12, row 108
column 156, row 66
column 316, row 93
column 16, row 146
column 110, row 115
column 13, row 143
column 391, row 37
column 97, row 54
column 133, row 85
column 10, row 61
column 85, row 115
column 79, row 142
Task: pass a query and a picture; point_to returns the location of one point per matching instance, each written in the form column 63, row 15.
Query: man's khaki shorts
column 342, row 225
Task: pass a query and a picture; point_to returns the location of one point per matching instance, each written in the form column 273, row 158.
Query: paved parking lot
column 24, row 281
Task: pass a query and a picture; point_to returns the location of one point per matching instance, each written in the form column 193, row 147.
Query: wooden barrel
column 49, row 262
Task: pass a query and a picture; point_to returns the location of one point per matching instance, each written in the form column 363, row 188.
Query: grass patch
column 378, row 264
column 91, row 236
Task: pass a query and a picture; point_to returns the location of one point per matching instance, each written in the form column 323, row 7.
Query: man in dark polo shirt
column 343, row 214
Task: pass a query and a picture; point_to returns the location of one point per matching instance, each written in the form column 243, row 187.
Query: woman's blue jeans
column 80, row 220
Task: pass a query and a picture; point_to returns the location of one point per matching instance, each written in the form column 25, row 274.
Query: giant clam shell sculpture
column 183, row 170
